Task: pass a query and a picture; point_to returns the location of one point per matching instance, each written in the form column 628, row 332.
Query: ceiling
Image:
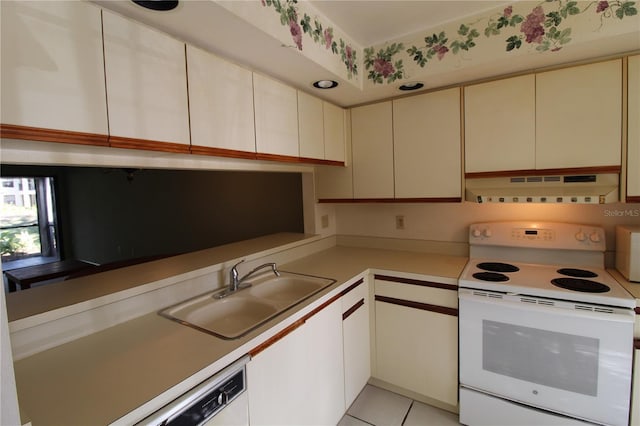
column 373, row 22
column 209, row 25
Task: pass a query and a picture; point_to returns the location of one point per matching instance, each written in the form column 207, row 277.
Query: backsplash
column 448, row 222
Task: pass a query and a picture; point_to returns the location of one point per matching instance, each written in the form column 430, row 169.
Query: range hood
column 571, row 189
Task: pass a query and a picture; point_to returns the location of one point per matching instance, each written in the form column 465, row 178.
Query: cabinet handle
column 352, row 309
column 418, row 305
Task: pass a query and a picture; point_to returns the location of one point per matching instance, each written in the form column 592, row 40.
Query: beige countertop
column 113, row 375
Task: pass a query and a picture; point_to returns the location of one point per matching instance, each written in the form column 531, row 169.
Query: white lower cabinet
column 416, row 334
column 355, row 332
column 299, row 379
column 635, row 393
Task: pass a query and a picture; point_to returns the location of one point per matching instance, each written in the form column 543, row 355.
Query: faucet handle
column 234, row 272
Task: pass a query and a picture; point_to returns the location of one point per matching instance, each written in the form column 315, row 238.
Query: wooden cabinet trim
column 418, row 305
column 283, row 333
column 222, row 152
column 148, row 145
column 544, row 172
column 279, row 336
column 352, row 286
column 392, row 200
column 633, row 199
column 412, row 281
column 11, row 131
column 352, row 309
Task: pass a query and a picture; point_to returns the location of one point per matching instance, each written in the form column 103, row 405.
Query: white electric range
column 545, row 331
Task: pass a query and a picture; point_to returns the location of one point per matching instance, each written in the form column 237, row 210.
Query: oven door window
column 558, row 360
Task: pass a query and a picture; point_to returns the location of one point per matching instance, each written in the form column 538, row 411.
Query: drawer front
column 355, row 293
column 445, row 295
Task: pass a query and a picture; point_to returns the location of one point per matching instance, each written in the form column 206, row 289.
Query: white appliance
column 546, row 334
column 218, row 401
column 628, row 252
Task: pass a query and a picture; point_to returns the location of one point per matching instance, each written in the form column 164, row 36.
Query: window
column 27, row 219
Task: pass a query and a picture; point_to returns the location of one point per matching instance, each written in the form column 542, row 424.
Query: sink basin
column 288, row 287
column 238, row 313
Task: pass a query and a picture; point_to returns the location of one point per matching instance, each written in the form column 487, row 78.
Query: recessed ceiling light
column 325, row 84
column 161, row 5
column 414, row 85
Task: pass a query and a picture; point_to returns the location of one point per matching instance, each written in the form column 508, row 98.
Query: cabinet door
column 334, row 132
column 337, row 182
column 310, row 126
column 426, row 145
column 372, row 145
column 146, row 82
column 299, row 379
column 52, row 66
column 499, row 125
column 355, row 331
column 276, row 109
column 578, row 116
column 417, row 350
column 635, row 392
column 220, row 103
column 633, row 126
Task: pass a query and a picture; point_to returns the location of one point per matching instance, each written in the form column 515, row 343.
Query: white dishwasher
column 219, row 400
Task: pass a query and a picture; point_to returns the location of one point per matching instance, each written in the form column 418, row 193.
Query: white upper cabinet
column 578, row 116
column 146, row 82
column 52, row 66
column 500, row 126
column 334, row 132
column 633, row 128
column 372, row 145
column 220, row 103
column 426, row 141
column 276, row 110
column 310, row 126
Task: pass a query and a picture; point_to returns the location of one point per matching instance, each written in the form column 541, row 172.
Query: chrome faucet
column 235, row 282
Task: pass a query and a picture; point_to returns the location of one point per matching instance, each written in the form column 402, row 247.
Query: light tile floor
column 379, row 407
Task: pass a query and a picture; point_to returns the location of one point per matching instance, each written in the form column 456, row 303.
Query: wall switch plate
column 399, row 222
column 324, row 221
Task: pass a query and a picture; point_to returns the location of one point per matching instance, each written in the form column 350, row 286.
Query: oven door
column 560, row 356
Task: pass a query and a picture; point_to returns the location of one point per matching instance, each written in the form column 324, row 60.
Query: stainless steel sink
column 239, row 313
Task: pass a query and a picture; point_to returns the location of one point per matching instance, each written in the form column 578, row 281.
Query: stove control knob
column 581, row 236
column 476, row 233
column 594, row 237
column 487, row 232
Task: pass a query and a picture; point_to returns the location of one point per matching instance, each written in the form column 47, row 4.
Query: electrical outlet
column 324, row 221
column 399, row 222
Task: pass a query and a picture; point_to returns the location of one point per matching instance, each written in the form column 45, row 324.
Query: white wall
column 449, row 222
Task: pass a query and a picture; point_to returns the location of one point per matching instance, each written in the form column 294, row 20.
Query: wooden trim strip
column 221, row 152
column 412, row 281
column 352, row 286
column 321, row 162
column 10, row 131
column 273, row 339
column 292, row 159
column 392, row 200
column 633, row 199
column 545, row 172
column 276, row 157
column 352, row 309
column 418, row 305
column 148, row 145
column 264, row 345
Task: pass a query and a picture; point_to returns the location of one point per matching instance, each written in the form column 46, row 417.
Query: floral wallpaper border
column 545, row 27
column 289, row 16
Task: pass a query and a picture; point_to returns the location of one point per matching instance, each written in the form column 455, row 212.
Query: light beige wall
column 448, row 222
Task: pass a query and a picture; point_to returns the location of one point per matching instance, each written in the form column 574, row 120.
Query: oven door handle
column 540, row 305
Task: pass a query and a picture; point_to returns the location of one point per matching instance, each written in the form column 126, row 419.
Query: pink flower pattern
column 383, row 67
column 532, row 26
column 602, row 6
column 296, row 32
column 328, row 38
